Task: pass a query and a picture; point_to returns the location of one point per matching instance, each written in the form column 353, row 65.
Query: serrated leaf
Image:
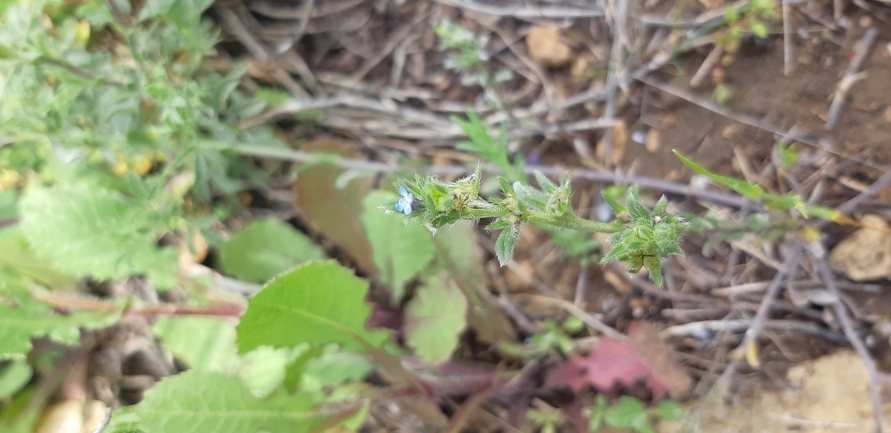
column 401, row 249
column 91, row 232
column 18, row 327
column 504, row 245
column 434, row 319
column 203, row 343
column 14, row 374
column 266, row 248
column 319, row 302
column 197, row 401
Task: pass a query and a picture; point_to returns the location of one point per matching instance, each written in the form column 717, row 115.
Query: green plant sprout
column 650, row 237
column 629, row 413
column 470, row 60
column 757, row 193
column 751, row 16
column 555, row 339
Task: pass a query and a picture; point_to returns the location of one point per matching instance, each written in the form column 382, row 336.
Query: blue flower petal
column 402, row 191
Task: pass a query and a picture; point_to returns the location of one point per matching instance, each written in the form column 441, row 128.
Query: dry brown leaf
column 865, row 254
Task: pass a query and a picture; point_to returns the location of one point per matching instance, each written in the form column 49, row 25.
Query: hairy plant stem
column 572, row 222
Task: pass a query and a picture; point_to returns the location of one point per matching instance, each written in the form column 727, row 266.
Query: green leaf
column 14, row 374
column 638, row 212
column 757, row 27
column 153, row 8
column 266, row 248
column 628, row 413
column 92, row 232
column 197, row 401
column 335, row 368
column 18, row 327
column 504, row 245
column 204, row 343
column 263, row 369
column 434, row 319
column 319, row 302
column 669, row 410
column 746, row 189
column 401, row 248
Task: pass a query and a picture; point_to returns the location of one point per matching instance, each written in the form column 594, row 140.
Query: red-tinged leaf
column 650, row 347
column 609, row 364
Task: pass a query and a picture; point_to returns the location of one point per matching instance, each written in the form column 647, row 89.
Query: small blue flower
column 404, row 203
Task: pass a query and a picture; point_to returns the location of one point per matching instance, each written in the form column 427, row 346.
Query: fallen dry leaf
column 865, row 254
column 612, row 362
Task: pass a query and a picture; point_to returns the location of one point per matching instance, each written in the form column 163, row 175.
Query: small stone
column 865, row 21
column 887, row 115
column 579, row 68
column 547, row 49
column 654, row 140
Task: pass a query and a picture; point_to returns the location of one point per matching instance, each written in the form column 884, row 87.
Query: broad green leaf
column 457, row 253
column 319, row 302
column 88, row 231
column 18, row 327
column 628, row 413
column 401, row 249
column 266, row 248
column 263, row 370
column 197, row 401
column 504, row 245
column 746, row 189
column 16, row 255
column 335, row 368
column 14, row 374
column 434, row 319
column 669, row 410
column 203, row 343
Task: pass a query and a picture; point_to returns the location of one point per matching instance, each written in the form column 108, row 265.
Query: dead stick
column 751, row 337
column 838, row 100
column 787, row 44
column 848, row 326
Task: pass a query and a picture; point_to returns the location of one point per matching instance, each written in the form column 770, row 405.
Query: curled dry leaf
column 865, row 254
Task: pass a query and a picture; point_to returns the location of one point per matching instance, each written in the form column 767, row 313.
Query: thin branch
column 751, row 338
column 850, row 77
column 518, row 11
column 585, row 316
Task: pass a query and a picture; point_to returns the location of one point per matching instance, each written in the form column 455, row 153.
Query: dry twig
column 850, row 77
